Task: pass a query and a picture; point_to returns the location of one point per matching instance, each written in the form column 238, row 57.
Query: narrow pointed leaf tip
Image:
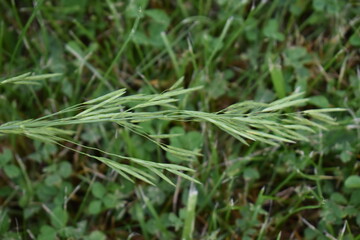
column 26, row 78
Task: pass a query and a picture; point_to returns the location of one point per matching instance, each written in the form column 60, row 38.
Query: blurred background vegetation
column 238, row 50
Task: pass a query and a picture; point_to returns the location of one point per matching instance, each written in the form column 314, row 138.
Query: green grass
column 82, row 169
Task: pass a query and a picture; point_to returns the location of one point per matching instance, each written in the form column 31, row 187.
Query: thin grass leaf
column 240, row 108
column 285, row 105
column 184, row 154
column 309, row 123
column 162, row 176
column 175, row 167
column 155, row 103
column 184, row 176
column 295, row 135
column 39, row 137
column 177, row 84
column 277, row 79
column 325, row 110
column 122, row 174
column 255, row 120
column 15, row 79
column 266, row 135
column 27, row 79
column 26, row 83
column 229, row 129
column 299, row 127
column 42, row 76
column 106, row 96
column 127, row 169
column 289, row 98
column 264, row 140
column 322, row 117
column 164, row 136
column 103, row 103
column 157, row 165
column 190, row 214
column 181, row 91
column 171, row 53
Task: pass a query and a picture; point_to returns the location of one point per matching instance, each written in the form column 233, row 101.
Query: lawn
column 207, row 119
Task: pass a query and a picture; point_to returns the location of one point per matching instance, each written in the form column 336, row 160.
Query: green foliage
column 84, row 164
column 352, row 182
column 271, row 30
column 11, row 170
column 191, row 140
